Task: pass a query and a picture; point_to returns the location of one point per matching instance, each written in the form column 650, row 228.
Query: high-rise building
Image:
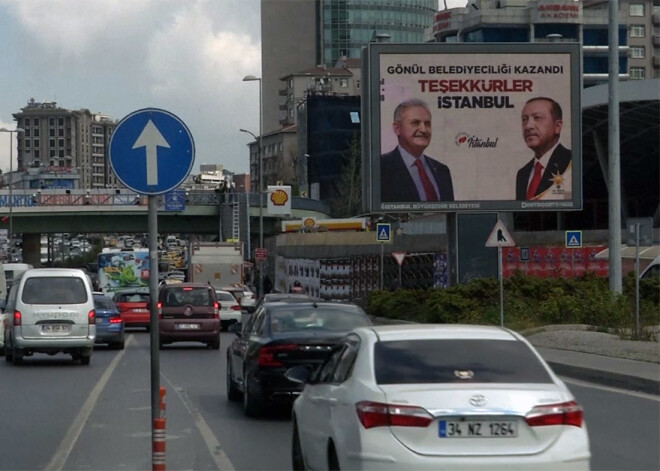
column 298, row 35
column 586, row 22
column 64, row 140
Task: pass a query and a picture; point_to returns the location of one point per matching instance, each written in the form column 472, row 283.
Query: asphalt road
column 60, row 415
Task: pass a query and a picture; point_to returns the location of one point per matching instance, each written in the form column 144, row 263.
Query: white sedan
column 416, row 396
column 229, row 308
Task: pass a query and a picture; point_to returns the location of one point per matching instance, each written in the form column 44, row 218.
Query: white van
column 50, row 310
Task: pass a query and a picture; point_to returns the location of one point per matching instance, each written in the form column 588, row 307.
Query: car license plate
column 55, row 328
column 187, row 326
column 477, row 429
column 99, row 320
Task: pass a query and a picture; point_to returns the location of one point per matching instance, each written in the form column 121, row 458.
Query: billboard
column 472, row 127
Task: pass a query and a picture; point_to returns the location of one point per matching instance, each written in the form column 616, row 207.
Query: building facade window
column 51, row 132
column 36, row 132
column 60, row 142
column 26, row 132
column 26, row 121
column 27, row 143
column 36, row 143
column 51, row 121
column 51, row 142
column 636, row 9
column 60, row 121
column 637, row 52
column 60, row 132
column 637, row 31
column 637, row 73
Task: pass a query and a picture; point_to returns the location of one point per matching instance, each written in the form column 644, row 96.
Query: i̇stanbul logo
column 462, row 139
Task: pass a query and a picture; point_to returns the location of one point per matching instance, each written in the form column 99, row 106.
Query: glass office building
column 348, row 25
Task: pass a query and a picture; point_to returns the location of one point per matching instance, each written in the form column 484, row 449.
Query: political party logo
column 475, row 142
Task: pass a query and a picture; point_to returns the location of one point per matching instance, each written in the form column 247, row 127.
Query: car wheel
column 251, row 404
column 333, row 461
column 16, row 356
column 233, row 394
column 85, row 359
column 297, row 459
column 117, row 345
column 215, row 344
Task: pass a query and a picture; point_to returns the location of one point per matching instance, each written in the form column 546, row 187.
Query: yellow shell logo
column 279, row 197
column 309, row 222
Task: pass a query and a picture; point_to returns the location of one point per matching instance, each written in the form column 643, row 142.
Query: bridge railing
column 116, row 197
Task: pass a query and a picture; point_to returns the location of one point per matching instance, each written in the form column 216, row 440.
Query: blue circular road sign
column 151, row 151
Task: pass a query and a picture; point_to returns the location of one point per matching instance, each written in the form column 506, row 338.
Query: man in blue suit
column 406, row 174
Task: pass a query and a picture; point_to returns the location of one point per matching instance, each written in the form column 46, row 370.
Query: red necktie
column 536, row 179
column 429, row 190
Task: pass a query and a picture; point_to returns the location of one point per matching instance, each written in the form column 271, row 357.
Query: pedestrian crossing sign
column 384, row 232
column 573, row 239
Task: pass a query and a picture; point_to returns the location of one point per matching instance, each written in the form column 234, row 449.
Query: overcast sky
column 117, row 56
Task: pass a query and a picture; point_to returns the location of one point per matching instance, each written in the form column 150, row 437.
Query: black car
column 278, row 336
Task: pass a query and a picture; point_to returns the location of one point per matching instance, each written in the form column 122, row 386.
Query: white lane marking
column 66, row 445
column 219, row 456
column 587, row 384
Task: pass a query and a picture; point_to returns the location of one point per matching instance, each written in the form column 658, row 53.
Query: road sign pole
column 382, row 265
column 152, row 222
column 499, row 274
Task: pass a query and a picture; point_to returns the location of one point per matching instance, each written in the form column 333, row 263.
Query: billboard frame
column 418, row 57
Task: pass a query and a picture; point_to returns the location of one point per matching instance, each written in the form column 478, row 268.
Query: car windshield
column 289, row 320
column 54, row 290
column 457, row 361
column 181, row 296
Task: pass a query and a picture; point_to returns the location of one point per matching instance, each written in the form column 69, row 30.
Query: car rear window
column 132, row 298
column 181, row 296
column 457, row 361
column 225, row 297
column 103, row 303
column 288, row 320
column 54, row 290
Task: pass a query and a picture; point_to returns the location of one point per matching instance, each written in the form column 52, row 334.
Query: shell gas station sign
column 279, row 199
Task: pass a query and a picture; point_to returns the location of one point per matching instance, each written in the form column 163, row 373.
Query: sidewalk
column 581, row 353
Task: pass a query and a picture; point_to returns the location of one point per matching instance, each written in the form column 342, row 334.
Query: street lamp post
column 11, row 184
column 252, row 78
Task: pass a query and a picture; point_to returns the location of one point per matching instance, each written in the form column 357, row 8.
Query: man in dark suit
column 548, row 174
column 406, row 174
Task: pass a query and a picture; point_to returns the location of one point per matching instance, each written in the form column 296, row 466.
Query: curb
column 607, row 378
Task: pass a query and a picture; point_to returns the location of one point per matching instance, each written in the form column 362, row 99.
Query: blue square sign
column 573, row 239
column 383, row 232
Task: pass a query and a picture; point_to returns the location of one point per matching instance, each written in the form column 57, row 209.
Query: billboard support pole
column 614, row 164
column 152, row 223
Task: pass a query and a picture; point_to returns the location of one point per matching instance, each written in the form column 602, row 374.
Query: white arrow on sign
column 151, row 138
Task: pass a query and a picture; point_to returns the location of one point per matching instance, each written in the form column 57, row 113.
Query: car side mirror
column 235, row 328
column 249, row 309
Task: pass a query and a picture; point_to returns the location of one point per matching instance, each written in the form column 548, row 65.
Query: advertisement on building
column 473, row 127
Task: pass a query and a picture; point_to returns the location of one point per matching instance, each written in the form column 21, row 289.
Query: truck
column 219, row 264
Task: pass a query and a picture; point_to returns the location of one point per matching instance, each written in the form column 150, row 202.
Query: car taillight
column 216, row 310
column 235, row 307
column 18, row 318
column 377, row 414
column 566, row 413
column 91, row 317
column 268, row 354
column 159, row 306
column 115, row 320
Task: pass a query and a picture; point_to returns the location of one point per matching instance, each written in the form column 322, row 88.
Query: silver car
column 429, row 397
column 52, row 311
